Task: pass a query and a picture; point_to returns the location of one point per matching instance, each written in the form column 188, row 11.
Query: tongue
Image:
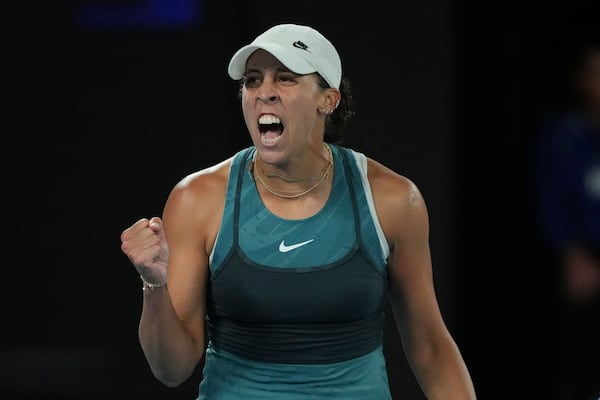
column 271, row 134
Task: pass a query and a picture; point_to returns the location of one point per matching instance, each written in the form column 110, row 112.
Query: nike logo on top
column 298, row 44
column 284, row 249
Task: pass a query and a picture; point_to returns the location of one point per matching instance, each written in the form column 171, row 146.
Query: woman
column 286, row 253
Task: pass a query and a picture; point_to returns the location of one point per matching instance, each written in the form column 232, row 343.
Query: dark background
column 103, row 116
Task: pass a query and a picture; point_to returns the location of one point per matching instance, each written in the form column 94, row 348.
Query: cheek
column 306, row 103
column 249, row 120
column 246, row 106
column 244, row 97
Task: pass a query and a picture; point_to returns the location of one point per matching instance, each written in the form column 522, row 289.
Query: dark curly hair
column 336, row 122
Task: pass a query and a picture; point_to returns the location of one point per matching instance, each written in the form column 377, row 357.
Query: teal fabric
column 300, row 323
column 235, row 378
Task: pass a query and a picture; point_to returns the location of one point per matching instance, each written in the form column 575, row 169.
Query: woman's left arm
column 430, row 349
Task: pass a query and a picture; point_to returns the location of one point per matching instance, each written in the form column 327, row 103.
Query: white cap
column 301, row 49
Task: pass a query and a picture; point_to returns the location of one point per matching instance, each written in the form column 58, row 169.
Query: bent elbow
column 169, row 383
column 170, row 379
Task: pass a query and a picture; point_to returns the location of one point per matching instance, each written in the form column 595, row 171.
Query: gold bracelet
column 151, row 286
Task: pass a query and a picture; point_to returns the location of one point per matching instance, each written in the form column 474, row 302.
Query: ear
column 330, row 101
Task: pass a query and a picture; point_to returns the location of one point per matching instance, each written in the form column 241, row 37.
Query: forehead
column 262, row 59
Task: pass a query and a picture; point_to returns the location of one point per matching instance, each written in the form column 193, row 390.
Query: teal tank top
column 296, row 307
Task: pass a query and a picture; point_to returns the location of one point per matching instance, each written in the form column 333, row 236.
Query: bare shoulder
column 391, row 188
column 399, row 203
column 195, row 205
column 205, row 184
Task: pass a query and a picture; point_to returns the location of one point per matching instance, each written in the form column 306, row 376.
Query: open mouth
column 270, row 128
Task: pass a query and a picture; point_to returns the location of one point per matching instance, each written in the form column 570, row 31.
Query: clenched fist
column 145, row 245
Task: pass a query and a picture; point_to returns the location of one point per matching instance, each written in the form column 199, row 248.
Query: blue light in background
column 137, row 14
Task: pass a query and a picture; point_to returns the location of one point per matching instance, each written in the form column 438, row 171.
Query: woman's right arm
column 172, row 328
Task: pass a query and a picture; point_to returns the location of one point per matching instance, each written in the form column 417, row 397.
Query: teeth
column 268, row 119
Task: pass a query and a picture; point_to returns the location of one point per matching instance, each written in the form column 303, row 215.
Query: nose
column 267, row 93
column 267, row 98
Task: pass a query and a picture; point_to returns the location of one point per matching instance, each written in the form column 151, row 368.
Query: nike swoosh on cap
column 284, row 249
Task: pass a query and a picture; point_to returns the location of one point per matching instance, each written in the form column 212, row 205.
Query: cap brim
column 294, row 62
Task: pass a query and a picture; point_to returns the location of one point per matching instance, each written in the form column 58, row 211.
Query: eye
column 251, row 80
column 287, row 78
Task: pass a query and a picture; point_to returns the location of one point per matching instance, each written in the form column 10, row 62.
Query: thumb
column 155, row 224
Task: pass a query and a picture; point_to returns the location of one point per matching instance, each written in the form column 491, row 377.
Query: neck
column 298, row 171
column 302, row 185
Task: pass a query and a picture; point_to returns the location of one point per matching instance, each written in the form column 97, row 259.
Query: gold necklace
column 292, row 194
column 297, row 180
column 291, row 180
